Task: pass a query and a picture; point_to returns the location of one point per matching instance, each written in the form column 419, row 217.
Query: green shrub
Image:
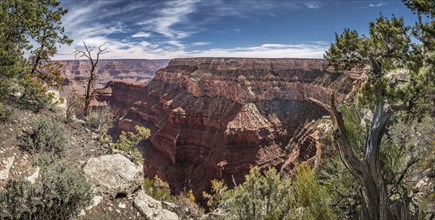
column 74, row 105
column 59, row 193
column 216, row 197
column 48, row 135
column 261, row 196
column 187, row 207
column 128, row 142
column 314, row 198
column 99, row 120
column 45, row 159
column 158, row 189
column 5, row 112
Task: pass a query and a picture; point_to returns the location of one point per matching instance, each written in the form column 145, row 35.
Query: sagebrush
column 59, row 193
column 47, row 135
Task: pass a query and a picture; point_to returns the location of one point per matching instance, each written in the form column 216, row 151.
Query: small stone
column 118, row 211
column 121, row 205
column 95, row 201
column 110, row 209
column 82, row 212
column 32, row 178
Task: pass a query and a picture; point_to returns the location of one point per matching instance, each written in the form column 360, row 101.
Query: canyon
column 128, row 70
column 213, row 118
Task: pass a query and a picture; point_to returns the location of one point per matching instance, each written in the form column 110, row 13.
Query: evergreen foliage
column 398, row 78
column 312, row 198
column 23, row 22
column 158, row 189
column 265, row 196
column 129, row 141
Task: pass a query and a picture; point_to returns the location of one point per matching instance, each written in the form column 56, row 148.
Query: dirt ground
column 82, row 145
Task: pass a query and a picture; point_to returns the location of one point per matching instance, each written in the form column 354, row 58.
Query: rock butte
column 212, row 118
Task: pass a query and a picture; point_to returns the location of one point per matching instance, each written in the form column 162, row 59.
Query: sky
column 147, row 29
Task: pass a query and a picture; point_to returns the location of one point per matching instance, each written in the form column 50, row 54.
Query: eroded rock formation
column 128, row 70
column 212, row 118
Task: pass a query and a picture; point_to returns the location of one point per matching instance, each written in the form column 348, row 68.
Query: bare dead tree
column 92, row 77
column 366, row 170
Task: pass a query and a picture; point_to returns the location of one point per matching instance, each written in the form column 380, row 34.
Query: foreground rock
column 113, row 175
column 7, row 164
column 212, row 118
column 152, row 209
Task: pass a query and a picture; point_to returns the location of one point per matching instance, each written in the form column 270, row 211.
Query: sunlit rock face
column 128, row 70
column 212, row 118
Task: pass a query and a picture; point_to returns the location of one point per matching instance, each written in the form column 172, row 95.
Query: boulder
column 7, row 164
column 152, row 209
column 113, row 175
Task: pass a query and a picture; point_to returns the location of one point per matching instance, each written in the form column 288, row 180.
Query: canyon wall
column 212, row 118
column 128, row 70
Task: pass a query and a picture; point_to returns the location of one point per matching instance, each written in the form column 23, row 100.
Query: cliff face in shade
column 212, row 118
column 128, row 70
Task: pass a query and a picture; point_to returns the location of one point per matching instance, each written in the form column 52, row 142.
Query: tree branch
column 340, row 137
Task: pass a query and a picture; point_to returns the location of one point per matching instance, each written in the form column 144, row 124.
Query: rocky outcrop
column 128, row 70
column 113, row 175
column 152, row 209
column 212, row 118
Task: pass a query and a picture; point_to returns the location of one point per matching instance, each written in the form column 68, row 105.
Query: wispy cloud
column 146, row 49
column 312, row 5
column 201, row 43
column 165, row 31
column 141, row 34
column 378, row 4
column 174, row 12
column 310, row 50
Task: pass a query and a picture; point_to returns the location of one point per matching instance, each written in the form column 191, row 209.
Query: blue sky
column 217, row 28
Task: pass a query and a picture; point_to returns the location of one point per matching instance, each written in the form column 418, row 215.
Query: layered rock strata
column 128, row 70
column 213, row 118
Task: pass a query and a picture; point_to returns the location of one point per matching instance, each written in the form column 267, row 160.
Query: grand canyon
column 217, row 109
column 213, row 118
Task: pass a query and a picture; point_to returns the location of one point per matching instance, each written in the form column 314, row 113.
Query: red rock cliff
column 212, row 118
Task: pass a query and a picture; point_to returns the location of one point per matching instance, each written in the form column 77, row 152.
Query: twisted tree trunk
column 366, row 171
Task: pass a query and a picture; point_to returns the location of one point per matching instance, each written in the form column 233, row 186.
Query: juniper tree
column 23, row 21
column 387, row 48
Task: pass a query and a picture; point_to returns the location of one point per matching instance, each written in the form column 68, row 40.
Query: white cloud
column 267, row 51
column 141, row 34
column 164, row 32
column 312, row 5
column 122, row 50
column 378, row 5
column 175, row 12
column 201, row 43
